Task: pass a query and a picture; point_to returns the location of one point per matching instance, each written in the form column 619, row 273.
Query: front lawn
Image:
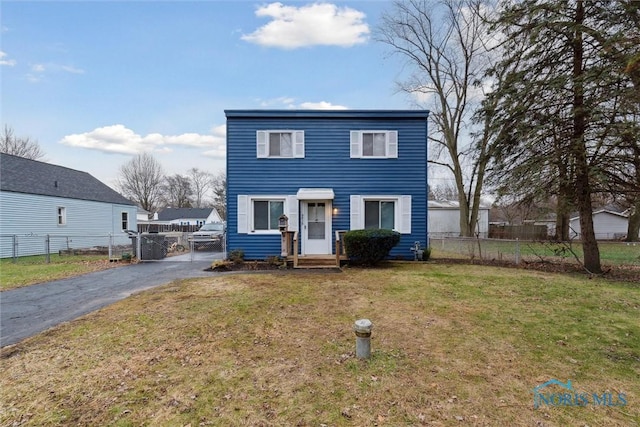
column 34, row 269
column 452, row 345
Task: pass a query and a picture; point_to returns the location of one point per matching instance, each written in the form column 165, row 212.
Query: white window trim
column 61, row 216
column 391, row 144
column 122, row 220
column 402, row 211
column 245, row 212
column 262, row 143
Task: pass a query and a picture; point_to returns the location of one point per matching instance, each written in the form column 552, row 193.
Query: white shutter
column 298, row 146
column 243, row 214
column 355, row 206
column 292, row 212
column 392, row 144
column 356, row 144
column 405, row 215
column 261, row 144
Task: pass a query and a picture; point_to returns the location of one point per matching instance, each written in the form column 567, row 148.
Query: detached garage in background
column 444, row 219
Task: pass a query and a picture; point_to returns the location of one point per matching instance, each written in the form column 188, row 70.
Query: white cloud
column 38, row 71
column 290, row 104
column 315, row 24
column 7, row 62
column 281, row 101
column 322, row 105
column 119, row 139
column 70, row 69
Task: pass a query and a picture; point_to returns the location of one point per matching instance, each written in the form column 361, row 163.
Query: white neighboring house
column 69, row 207
column 444, row 219
column 187, row 216
column 607, row 225
column 142, row 215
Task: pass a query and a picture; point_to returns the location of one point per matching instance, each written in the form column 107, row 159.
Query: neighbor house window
column 379, row 214
column 125, row 221
column 374, row 144
column 391, row 212
column 266, row 214
column 62, row 215
column 280, row 144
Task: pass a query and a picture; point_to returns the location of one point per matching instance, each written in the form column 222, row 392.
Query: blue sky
column 97, row 82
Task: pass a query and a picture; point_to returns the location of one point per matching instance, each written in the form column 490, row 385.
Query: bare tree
column 445, row 42
column 219, row 186
column 141, row 180
column 441, row 192
column 176, row 191
column 21, row 147
column 200, row 184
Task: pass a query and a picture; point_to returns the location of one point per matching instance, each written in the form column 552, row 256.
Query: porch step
column 317, row 262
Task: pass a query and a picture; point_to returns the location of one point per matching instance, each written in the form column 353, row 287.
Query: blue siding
column 327, row 164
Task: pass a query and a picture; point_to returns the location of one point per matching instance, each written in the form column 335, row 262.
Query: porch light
column 335, row 210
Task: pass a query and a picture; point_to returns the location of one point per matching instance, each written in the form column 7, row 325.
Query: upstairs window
column 280, row 144
column 374, row 144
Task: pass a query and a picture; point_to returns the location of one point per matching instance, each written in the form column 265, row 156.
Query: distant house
column 326, row 171
column 142, row 215
column 71, row 207
column 187, row 216
column 444, row 219
column 607, row 225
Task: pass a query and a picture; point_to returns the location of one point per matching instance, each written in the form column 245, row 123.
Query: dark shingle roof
column 170, row 214
column 20, row 175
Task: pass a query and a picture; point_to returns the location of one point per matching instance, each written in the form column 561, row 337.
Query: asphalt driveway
column 27, row 311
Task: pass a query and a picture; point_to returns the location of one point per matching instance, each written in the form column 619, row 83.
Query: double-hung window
column 124, row 221
column 391, row 212
column 260, row 213
column 374, row 144
column 379, row 214
column 62, row 215
column 266, row 214
column 280, row 144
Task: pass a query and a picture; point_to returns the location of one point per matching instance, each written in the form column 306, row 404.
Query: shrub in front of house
column 236, row 256
column 370, row 246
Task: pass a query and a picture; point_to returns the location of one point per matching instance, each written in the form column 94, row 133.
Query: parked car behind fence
column 210, row 236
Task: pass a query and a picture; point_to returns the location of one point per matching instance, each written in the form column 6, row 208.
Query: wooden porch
column 291, row 250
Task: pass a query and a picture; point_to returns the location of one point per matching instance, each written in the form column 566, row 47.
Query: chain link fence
column 517, row 251
column 17, row 246
column 144, row 246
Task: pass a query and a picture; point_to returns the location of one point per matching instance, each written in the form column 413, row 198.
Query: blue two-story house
column 327, row 171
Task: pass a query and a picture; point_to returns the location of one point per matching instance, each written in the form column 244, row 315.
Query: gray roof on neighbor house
column 20, row 175
column 169, row 214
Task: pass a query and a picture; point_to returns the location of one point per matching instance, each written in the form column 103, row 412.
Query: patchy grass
column 611, row 253
column 452, row 345
column 34, row 269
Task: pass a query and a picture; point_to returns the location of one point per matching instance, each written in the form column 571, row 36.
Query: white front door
column 316, row 227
